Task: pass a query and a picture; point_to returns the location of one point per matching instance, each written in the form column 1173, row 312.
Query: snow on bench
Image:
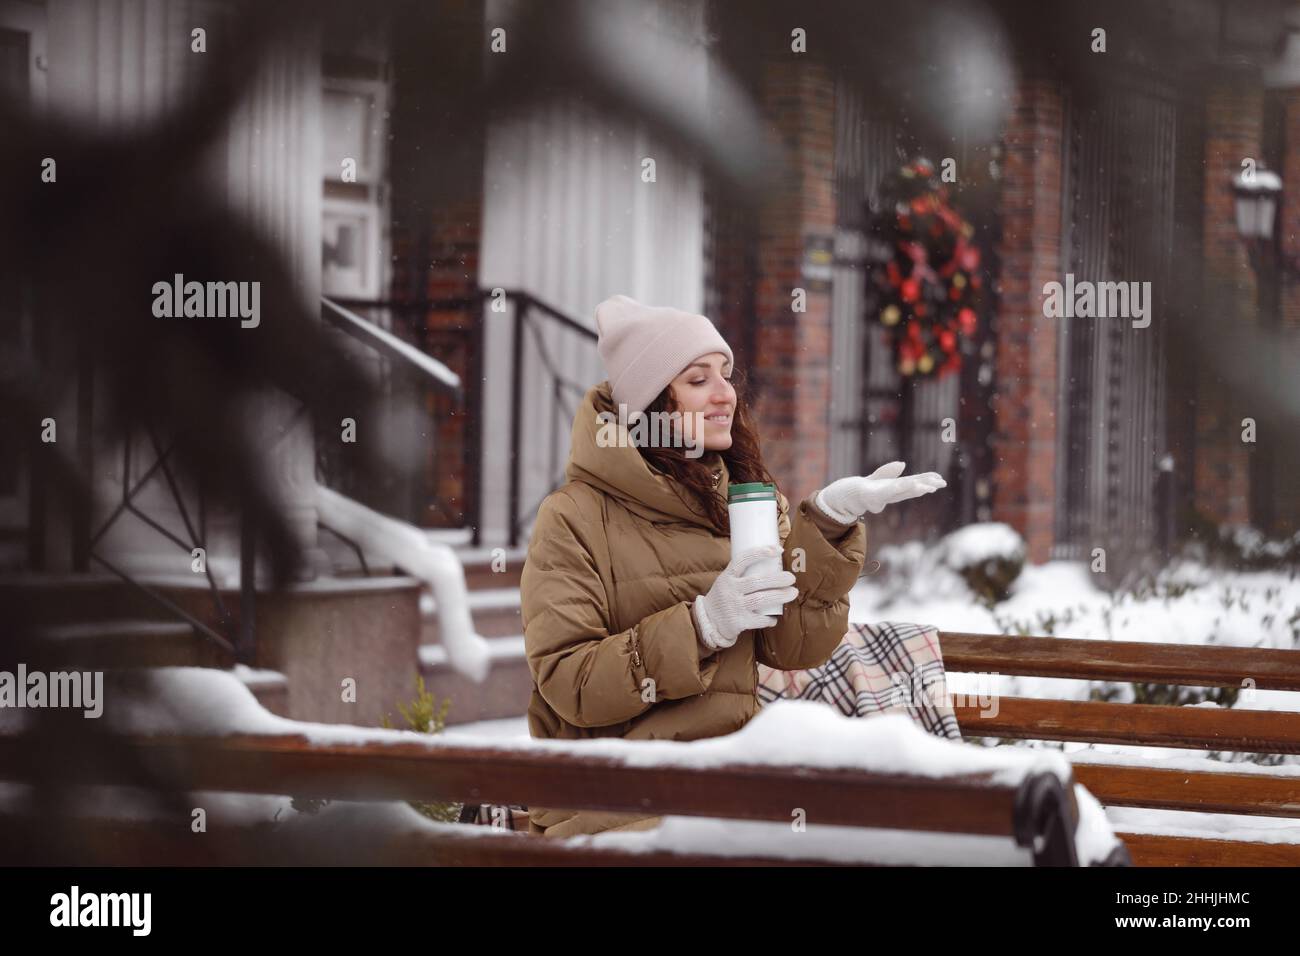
column 846, row 773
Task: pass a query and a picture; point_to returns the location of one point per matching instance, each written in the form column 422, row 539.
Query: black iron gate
column 1118, row 226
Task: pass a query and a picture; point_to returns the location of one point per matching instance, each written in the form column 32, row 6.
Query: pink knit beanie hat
column 644, row 347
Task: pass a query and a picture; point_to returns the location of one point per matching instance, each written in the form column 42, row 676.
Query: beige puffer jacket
column 615, row 560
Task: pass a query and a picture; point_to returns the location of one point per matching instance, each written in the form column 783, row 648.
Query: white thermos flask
column 751, row 507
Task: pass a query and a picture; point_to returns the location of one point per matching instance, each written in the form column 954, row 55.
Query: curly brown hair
column 744, row 458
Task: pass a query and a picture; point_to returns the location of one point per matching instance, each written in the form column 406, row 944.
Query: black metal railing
column 229, row 637
column 527, row 312
column 464, row 346
column 408, row 352
column 438, row 364
column 227, row 628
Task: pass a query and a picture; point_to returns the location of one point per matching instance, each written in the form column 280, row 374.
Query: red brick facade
column 1024, row 469
column 436, row 240
column 1287, row 513
column 755, row 262
column 1233, row 132
column 791, row 359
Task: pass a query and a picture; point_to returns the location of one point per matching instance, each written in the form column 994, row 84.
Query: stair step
column 495, row 612
column 126, row 643
column 455, row 537
column 481, row 565
column 478, row 577
column 505, row 693
column 494, row 599
column 482, row 575
column 271, row 688
column 51, row 599
column 497, row 623
column 502, row 649
column 484, row 554
column 479, row 562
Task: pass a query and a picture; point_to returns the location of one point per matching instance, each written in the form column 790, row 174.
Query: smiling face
column 705, row 386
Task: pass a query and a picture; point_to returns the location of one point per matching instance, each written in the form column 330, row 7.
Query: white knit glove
column 731, row 604
column 848, row 499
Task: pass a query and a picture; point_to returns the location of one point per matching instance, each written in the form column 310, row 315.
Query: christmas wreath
column 926, row 277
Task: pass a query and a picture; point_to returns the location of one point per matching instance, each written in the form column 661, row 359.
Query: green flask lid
column 751, row 491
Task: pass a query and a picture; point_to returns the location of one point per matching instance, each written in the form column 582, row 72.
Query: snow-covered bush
column 1248, row 548
column 912, row 572
column 980, row 561
column 988, row 556
column 1237, row 546
column 425, row 716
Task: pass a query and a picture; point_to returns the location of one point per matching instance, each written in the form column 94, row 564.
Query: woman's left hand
column 848, row 499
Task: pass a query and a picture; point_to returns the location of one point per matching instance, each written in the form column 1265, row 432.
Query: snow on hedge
column 977, row 543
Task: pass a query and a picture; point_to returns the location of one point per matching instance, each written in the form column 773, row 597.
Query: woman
column 636, row 622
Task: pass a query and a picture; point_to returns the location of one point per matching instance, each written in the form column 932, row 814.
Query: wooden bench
column 1208, row 790
column 1039, row 814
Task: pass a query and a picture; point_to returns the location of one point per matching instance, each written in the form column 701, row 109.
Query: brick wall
column 1287, row 464
column 791, row 360
column 1233, row 131
column 1024, row 404
column 450, row 266
column 730, row 258
column 436, row 234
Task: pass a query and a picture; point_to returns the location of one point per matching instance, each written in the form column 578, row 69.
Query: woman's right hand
column 848, row 499
column 732, row 604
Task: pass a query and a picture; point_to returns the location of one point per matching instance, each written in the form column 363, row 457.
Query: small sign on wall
column 818, row 257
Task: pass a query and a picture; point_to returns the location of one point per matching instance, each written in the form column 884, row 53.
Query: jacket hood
column 619, row 470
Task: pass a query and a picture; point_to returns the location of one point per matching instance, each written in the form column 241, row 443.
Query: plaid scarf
column 876, row 668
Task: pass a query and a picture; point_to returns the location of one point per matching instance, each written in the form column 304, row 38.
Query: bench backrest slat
column 1125, row 661
column 1149, row 725
column 1204, row 791
column 1150, row 849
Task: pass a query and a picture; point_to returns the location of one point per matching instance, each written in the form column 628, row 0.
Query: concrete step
column 52, row 599
column 126, row 642
column 508, row 688
column 271, row 688
column 492, row 568
column 481, row 575
column 505, row 693
column 495, row 613
column 485, row 567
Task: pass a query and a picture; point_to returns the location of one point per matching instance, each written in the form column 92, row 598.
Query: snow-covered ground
column 1188, row 603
